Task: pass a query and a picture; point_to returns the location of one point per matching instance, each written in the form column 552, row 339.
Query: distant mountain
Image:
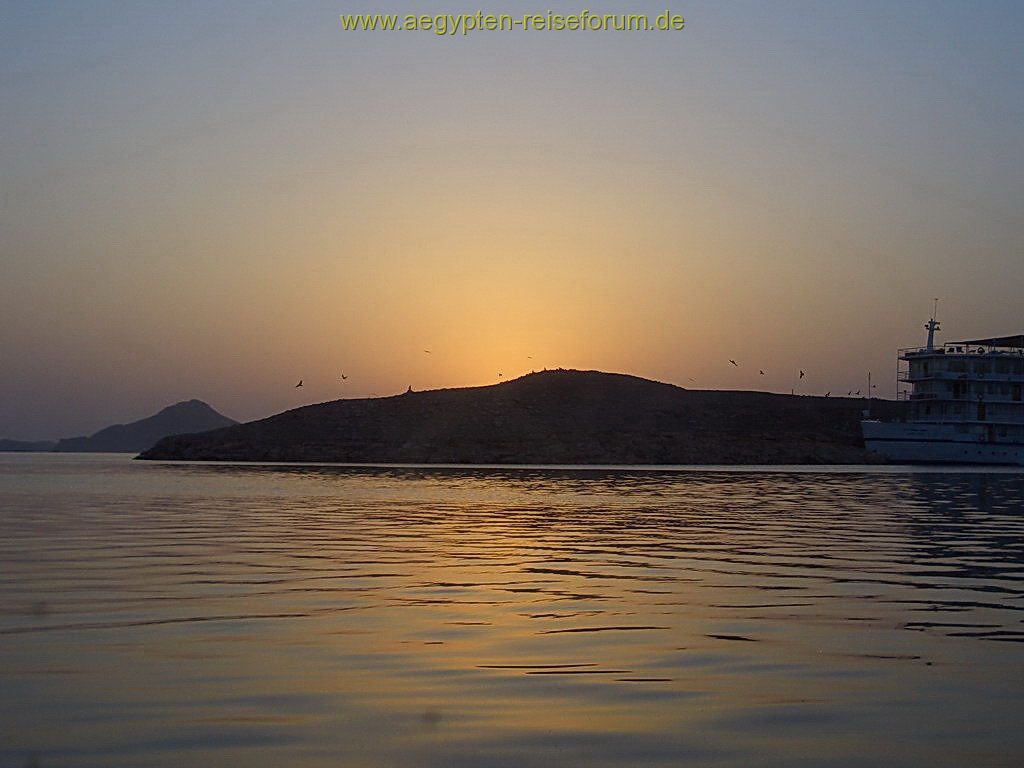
column 179, row 419
column 24, row 446
column 554, row 417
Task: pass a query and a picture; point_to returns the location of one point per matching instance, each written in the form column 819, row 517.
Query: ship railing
column 961, row 349
column 1003, row 377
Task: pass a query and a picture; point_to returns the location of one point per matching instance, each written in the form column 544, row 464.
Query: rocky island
column 553, row 417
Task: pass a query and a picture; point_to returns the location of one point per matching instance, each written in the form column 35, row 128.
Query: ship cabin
column 977, row 384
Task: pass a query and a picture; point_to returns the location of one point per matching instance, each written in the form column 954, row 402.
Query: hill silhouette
column 554, row 417
column 178, row 419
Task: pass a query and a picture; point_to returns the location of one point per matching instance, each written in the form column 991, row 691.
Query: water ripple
column 317, row 615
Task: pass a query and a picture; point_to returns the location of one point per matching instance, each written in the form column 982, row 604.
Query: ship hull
column 906, row 443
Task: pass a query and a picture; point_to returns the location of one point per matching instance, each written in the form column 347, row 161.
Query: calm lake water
column 173, row 615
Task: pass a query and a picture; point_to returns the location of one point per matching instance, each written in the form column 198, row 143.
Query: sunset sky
column 216, row 199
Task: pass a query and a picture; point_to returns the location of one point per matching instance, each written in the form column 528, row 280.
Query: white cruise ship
column 965, row 404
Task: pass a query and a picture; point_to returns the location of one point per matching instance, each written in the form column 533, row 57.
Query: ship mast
column 932, row 326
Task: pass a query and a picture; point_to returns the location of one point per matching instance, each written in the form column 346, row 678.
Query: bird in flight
column 344, row 377
column 427, row 351
column 857, row 392
column 299, row 384
column 801, row 374
column 761, row 372
column 735, row 363
column 499, row 375
column 849, row 393
column 828, row 393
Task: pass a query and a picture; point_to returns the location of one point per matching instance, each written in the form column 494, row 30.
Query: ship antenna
column 932, row 326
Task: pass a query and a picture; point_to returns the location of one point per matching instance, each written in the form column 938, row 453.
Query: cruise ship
column 965, row 404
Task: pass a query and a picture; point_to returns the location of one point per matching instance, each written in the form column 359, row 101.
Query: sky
column 217, row 199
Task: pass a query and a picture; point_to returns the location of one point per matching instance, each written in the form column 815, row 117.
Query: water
column 169, row 615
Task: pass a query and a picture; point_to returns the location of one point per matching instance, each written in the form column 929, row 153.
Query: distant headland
column 553, row 417
column 177, row 419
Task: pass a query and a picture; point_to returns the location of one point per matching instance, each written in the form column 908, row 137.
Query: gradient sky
column 214, row 200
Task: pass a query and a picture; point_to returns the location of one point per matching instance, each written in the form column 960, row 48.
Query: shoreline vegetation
column 552, row 417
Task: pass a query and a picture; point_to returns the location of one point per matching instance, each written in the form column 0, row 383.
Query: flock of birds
column 760, row 372
column 344, row 377
column 802, row 374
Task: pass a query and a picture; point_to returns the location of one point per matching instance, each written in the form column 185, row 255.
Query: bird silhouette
column 299, row 384
column 857, row 392
column 344, row 377
column 761, row 372
column 499, row 375
column 735, row 363
column 849, row 393
column 801, row 374
column 828, row 393
column 427, row 351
